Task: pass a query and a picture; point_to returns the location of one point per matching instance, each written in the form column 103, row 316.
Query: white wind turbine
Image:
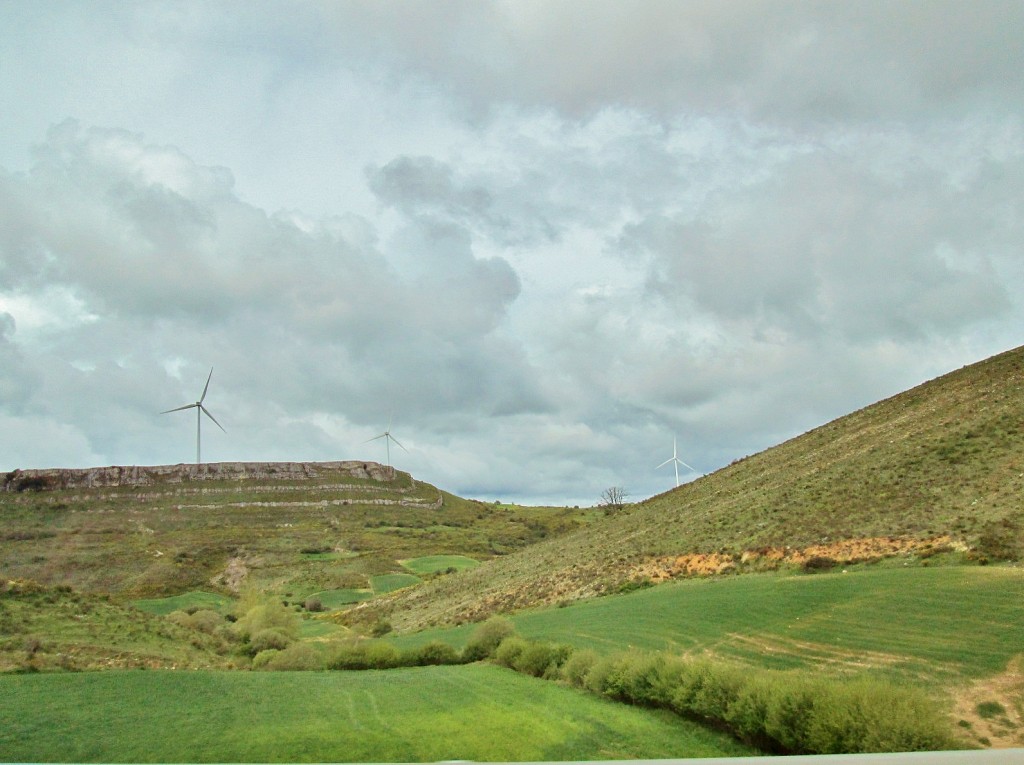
column 677, row 462
column 200, row 409
column 388, row 438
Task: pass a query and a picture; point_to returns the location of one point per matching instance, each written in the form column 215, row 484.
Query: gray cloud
column 545, row 237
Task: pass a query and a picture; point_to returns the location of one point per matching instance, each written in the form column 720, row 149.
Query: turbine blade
column 207, row 413
column 382, row 435
column 178, row 409
column 396, row 441
column 206, row 387
column 665, row 463
column 689, row 466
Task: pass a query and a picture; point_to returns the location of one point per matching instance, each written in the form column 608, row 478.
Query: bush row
column 781, row 712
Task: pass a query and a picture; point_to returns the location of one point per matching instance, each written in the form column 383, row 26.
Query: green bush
column 486, row 638
column 260, row 660
column 509, row 650
column 433, row 653
column 578, row 665
column 206, row 620
column 268, row 638
column 296, row 657
column 263, row 616
column 364, row 654
column 785, row 713
column 541, row 659
column 381, row 628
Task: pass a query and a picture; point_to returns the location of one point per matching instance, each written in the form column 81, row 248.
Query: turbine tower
column 388, row 438
column 200, row 410
column 677, row 462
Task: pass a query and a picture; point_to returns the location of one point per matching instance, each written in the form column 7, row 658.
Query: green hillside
column 292, row 529
column 937, row 468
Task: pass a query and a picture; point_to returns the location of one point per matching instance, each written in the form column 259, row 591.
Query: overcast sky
column 546, row 238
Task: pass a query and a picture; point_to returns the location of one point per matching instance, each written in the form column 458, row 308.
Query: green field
column 431, row 564
column 390, row 582
column 335, row 599
column 195, row 599
column 476, row 712
column 935, row 625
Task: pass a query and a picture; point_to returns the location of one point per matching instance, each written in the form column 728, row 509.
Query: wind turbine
column 388, row 438
column 200, row 409
column 677, row 462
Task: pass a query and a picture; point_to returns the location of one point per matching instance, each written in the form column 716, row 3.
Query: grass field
column 475, row 712
column 431, row 564
column 390, row 582
column 335, row 599
column 194, row 599
column 932, row 625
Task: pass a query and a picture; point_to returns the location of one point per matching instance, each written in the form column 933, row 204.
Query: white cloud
column 545, row 237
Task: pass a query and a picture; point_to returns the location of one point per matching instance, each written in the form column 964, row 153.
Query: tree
column 613, row 498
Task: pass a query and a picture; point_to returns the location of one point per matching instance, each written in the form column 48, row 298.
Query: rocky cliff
column 136, row 475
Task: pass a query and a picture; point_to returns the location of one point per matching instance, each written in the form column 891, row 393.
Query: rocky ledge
column 136, row 475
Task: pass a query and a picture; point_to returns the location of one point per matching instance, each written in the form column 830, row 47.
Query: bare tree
column 613, row 498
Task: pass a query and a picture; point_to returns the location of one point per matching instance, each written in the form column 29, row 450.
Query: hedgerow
column 783, row 712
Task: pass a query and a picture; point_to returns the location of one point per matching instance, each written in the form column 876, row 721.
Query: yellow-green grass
column 332, row 600
column 195, row 599
column 385, row 583
column 477, row 712
column 929, row 625
column 431, row 564
column 320, row 628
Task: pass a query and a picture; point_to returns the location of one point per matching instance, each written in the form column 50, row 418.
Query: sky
column 543, row 239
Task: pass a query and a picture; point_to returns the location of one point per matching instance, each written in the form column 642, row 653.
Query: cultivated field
column 431, row 714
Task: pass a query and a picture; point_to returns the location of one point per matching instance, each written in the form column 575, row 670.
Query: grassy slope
column 904, row 622
column 44, row 628
column 144, row 542
column 430, row 714
column 945, row 458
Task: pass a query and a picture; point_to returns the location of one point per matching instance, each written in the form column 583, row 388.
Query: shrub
column 180, row 618
column 597, row 679
column 541, row 659
column 578, row 665
column 206, row 620
column 297, row 657
column 486, row 638
column 433, row 653
column 260, row 660
column 509, row 650
column 366, row 654
column 381, row 628
column 271, row 637
column 381, row 655
column 314, row 604
column 264, row 616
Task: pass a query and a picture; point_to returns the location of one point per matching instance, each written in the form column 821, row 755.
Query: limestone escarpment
column 137, row 475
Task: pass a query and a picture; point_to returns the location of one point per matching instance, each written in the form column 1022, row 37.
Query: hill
column 340, row 529
column 937, row 469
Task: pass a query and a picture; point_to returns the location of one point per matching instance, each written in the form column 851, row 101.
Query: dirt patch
column 846, row 551
column 989, row 712
column 232, row 576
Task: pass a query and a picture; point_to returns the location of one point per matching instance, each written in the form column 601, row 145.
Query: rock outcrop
column 135, row 475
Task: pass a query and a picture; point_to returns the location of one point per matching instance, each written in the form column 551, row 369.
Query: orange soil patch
column 845, row 551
